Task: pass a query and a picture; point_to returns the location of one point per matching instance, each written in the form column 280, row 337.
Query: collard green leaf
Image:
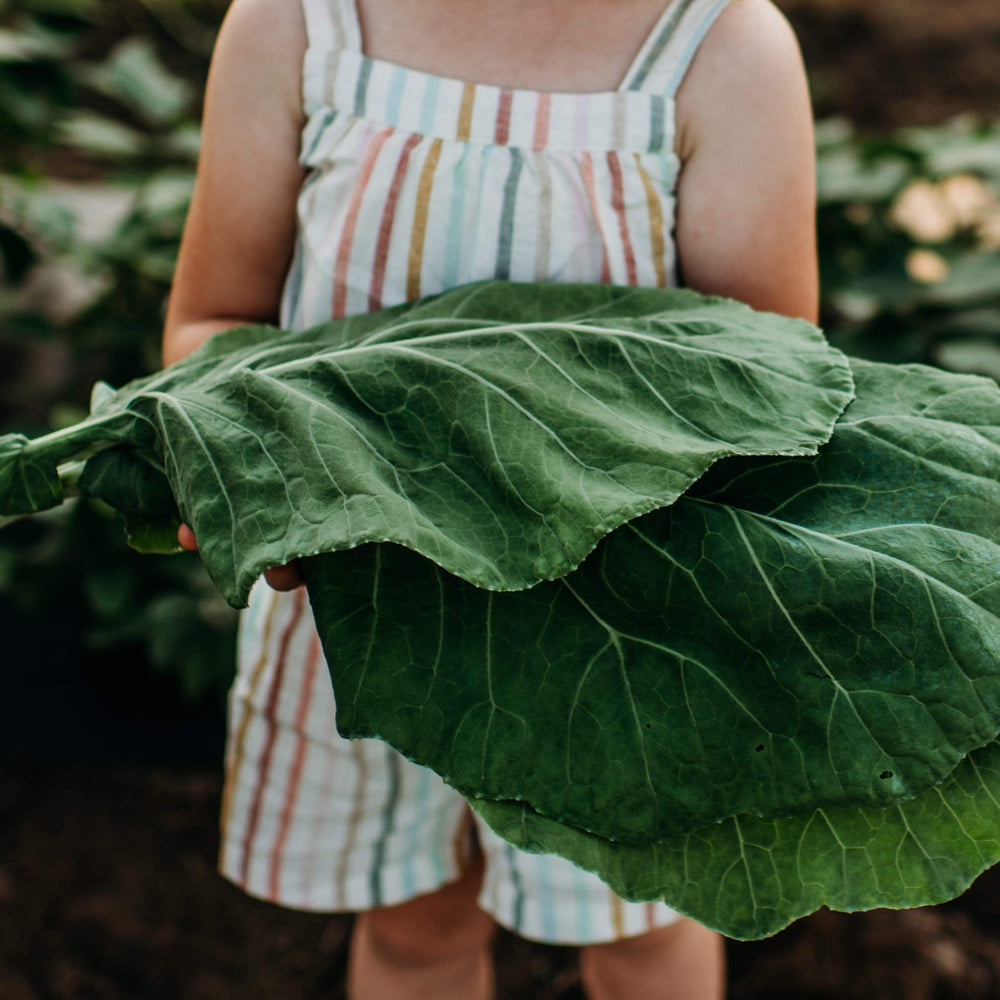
column 749, row 877
column 26, row 484
column 500, row 430
column 793, row 633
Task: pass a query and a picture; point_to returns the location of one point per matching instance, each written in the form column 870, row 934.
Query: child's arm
column 240, row 230
column 746, row 197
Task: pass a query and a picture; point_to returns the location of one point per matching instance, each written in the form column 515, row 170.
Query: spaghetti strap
column 332, row 24
column 670, row 48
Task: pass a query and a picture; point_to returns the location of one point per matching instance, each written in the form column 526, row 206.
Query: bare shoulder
column 748, row 70
column 267, row 24
column 262, row 43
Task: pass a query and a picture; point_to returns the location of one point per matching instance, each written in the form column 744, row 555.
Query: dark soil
column 108, row 892
column 887, row 63
column 107, row 882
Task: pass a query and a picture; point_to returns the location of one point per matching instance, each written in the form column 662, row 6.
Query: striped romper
column 417, row 183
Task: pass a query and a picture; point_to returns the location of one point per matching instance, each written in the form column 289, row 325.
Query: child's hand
column 286, row 577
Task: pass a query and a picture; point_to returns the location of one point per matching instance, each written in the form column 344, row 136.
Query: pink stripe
column 272, row 731
column 651, row 916
column 502, row 133
column 542, row 121
column 295, row 775
column 618, row 202
column 351, row 222
column 587, row 169
column 385, row 230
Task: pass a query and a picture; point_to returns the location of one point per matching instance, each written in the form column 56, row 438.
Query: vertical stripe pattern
column 417, row 183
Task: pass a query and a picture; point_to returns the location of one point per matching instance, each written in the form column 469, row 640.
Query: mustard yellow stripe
column 617, row 917
column 354, row 822
column 465, row 113
column 658, row 244
column 235, row 764
column 420, row 220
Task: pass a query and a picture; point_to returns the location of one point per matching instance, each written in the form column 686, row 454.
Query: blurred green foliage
column 99, row 108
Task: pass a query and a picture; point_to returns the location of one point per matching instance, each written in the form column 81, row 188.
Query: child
column 350, row 162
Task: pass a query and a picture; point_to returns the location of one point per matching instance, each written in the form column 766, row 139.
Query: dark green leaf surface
column 749, row 877
column 793, row 633
column 500, row 430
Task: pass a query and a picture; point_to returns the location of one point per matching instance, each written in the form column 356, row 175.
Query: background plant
column 99, row 107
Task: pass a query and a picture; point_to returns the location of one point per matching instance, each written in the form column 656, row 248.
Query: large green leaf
column 500, row 430
column 748, row 877
column 793, row 633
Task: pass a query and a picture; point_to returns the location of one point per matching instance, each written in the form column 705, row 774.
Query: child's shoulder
column 258, row 57
column 749, row 60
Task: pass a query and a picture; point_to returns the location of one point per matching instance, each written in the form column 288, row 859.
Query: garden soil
column 108, row 813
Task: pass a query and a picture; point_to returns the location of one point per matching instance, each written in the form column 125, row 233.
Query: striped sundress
column 416, row 183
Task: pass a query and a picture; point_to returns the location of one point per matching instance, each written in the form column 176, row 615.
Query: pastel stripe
column 385, row 229
column 295, row 772
column 395, row 98
column 377, row 874
column 416, row 257
column 270, row 719
column 695, row 40
column 618, row 204
column 502, row 134
column 238, row 742
column 356, row 750
column 505, row 246
column 657, row 240
column 657, row 124
column 452, row 248
column 351, row 222
column 361, row 90
column 465, row 113
column 543, row 240
column 543, row 110
column 428, row 109
column 663, row 33
column 617, row 916
column 587, row 170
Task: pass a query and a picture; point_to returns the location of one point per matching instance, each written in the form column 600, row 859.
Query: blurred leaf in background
column 99, row 106
column 99, row 109
column 909, row 229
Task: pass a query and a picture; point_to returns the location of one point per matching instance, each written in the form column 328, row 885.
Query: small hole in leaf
column 648, row 726
column 759, row 748
column 885, row 775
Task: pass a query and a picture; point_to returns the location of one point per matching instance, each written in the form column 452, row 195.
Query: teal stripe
column 423, row 793
column 689, row 52
column 318, row 129
column 657, row 115
column 395, row 95
column 388, row 821
column 293, row 290
column 505, row 246
column 515, row 878
column 361, row 91
column 662, row 40
column 429, row 108
column 456, row 213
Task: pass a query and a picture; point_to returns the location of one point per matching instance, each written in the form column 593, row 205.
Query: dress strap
column 671, row 46
column 332, row 24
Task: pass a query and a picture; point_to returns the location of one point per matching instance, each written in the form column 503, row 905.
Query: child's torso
column 555, row 45
column 419, row 181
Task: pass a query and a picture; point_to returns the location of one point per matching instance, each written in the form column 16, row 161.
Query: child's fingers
column 286, row 577
column 186, row 539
